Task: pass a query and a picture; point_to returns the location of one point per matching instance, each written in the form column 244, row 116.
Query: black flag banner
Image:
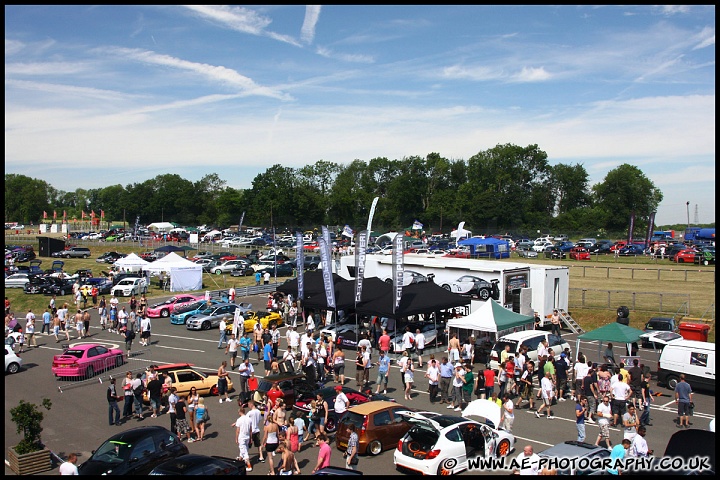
column 300, row 265
column 327, row 272
column 397, row 269
column 360, row 253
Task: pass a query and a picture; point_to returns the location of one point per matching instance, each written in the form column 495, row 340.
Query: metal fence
column 644, row 273
column 672, row 303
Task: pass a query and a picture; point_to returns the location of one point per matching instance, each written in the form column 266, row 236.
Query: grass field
column 597, row 287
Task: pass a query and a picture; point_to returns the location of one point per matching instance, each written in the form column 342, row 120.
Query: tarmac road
column 78, row 423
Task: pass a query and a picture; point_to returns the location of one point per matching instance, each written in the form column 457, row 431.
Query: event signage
column 372, row 212
column 300, row 257
column 632, row 227
column 327, row 272
column 242, row 217
column 651, row 226
column 397, row 269
column 360, row 253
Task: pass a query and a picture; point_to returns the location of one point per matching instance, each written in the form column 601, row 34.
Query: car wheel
column 330, row 426
column 13, row 367
column 446, row 466
column 218, row 272
column 503, row 448
column 62, row 292
column 484, row 294
column 89, row 372
column 214, row 390
column 671, row 382
column 705, row 262
column 206, row 325
column 164, row 313
column 446, row 287
column 86, row 256
column 375, row 447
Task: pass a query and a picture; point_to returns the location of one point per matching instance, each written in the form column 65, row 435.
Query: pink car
column 165, row 308
column 86, row 360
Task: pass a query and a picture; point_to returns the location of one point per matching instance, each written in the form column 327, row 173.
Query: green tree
column 25, row 198
column 624, row 190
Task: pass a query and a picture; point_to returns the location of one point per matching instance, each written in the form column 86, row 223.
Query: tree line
column 507, row 188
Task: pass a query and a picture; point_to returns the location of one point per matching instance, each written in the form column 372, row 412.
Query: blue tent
column 487, row 247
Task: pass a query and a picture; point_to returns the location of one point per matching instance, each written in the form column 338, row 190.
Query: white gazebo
column 131, row 263
column 184, row 274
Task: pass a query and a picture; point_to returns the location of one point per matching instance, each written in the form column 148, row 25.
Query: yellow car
column 185, row 376
column 267, row 319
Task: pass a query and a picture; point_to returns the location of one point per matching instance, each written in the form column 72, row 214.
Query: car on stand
column 163, row 309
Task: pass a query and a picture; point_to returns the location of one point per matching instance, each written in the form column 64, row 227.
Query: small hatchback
column 378, row 425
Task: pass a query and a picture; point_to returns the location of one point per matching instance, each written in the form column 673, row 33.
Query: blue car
column 632, row 250
column 180, row 316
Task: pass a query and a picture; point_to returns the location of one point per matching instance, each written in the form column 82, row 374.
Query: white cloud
column 312, row 14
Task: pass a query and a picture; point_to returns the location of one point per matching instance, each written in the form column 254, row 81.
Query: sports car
column 211, row 316
column 103, row 284
column 180, row 315
column 184, row 376
column 410, row 276
column 267, row 319
column 474, row 286
column 302, row 402
column 429, row 332
column 85, row 360
column 439, row 444
column 163, row 309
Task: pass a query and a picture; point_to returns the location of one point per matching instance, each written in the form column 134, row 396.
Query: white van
column 530, row 339
column 695, row 359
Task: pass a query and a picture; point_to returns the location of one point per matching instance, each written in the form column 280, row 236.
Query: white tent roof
column 481, row 319
column 130, row 261
column 171, row 261
column 161, row 226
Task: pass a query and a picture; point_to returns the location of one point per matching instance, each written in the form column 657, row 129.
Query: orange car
column 579, row 253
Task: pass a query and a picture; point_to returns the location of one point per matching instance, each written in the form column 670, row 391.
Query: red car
column 579, row 253
column 457, row 254
column 311, row 247
column 164, row 309
column 685, row 256
column 86, row 360
column 225, row 256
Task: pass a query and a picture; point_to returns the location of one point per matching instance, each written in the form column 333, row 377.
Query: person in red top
column 510, row 372
column 273, row 394
column 384, row 342
column 7, row 305
column 489, row 375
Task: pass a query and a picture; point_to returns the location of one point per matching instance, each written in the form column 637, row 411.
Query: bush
column 28, row 418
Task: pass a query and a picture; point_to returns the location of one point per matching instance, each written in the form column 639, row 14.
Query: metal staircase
column 570, row 322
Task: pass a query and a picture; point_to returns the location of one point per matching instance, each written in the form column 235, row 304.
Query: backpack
column 139, row 391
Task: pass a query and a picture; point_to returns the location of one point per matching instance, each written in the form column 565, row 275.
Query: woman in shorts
column 200, row 420
column 192, row 401
column 271, row 441
column 338, row 360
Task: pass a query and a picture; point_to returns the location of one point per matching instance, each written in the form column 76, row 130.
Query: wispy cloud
column 45, row 68
column 312, row 14
column 706, row 38
column 219, row 74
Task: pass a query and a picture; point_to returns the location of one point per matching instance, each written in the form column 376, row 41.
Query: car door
column 189, row 378
column 398, row 427
column 453, row 450
column 142, row 456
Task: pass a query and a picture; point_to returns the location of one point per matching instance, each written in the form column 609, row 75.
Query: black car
column 109, row 257
column 24, row 256
column 103, row 284
column 59, row 286
column 600, row 249
column 36, row 284
column 245, row 271
column 193, row 464
column 134, row 452
column 279, row 270
column 554, row 252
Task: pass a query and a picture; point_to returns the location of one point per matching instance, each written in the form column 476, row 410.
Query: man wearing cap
column 341, row 403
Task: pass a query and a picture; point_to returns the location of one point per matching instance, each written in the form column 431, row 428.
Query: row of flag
column 92, row 214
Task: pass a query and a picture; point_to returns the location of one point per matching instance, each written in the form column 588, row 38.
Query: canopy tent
column 161, row 226
column 494, row 318
column 169, row 248
column 612, row 332
column 373, row 287
column 131, row 263
column 184, row 274
column 487, row 247
column 313, row 284
column 423, row 297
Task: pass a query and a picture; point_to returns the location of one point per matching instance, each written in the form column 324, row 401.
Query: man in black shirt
column 646, row 399
column 636, row 383
column 154, row 387
column 112, row 398
column 561, row 373
column 590, row 390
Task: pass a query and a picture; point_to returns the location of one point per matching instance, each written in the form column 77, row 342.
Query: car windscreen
column 74, row 353
column 113, row 451
column 500, row 345
column 352, row 418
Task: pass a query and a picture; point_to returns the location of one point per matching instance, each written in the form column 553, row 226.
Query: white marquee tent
column 131, row 263
column 161, row 226
column 184, row 274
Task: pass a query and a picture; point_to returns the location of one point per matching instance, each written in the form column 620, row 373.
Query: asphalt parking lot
column 78, row 423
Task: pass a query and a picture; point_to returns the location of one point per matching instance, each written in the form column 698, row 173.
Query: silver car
column 16, row 280
column 229, row 266
column 210, row 317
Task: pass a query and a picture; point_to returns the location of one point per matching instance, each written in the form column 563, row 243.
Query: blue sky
column 106, row 95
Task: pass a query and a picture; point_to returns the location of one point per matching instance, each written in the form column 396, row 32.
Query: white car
column 12, row 361
column 529, row 338
column 396, row 339
column 16, row 280
column 474, row 286
column 334, row 330
column 540, row 247
column 129, row 286
column 658, row 339
column 410, row 276
column 442, row 444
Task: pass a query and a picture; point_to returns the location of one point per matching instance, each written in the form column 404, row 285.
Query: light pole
column 687, row 205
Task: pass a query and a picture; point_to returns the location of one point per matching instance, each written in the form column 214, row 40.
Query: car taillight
column 432, row 454
column 364, row 425
column 399, row 447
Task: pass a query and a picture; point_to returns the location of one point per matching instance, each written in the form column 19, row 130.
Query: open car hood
column 483, row 408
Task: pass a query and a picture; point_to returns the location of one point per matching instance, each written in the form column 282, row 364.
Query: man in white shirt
column 621, row 392
column 508, row 416
column 243, row 433
column 365, row 342
column 69, row 467
column 542, row 354
column 223, row 333
column 310, row 322
column 639, row 446
column 408, row 339
column 305, row 339
column 548, row 392
column 433, row 376
column 256, row 418
column 341, row 403
column 293, row 339
column 604, row 414
column 419, row 345
column 528, row 461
